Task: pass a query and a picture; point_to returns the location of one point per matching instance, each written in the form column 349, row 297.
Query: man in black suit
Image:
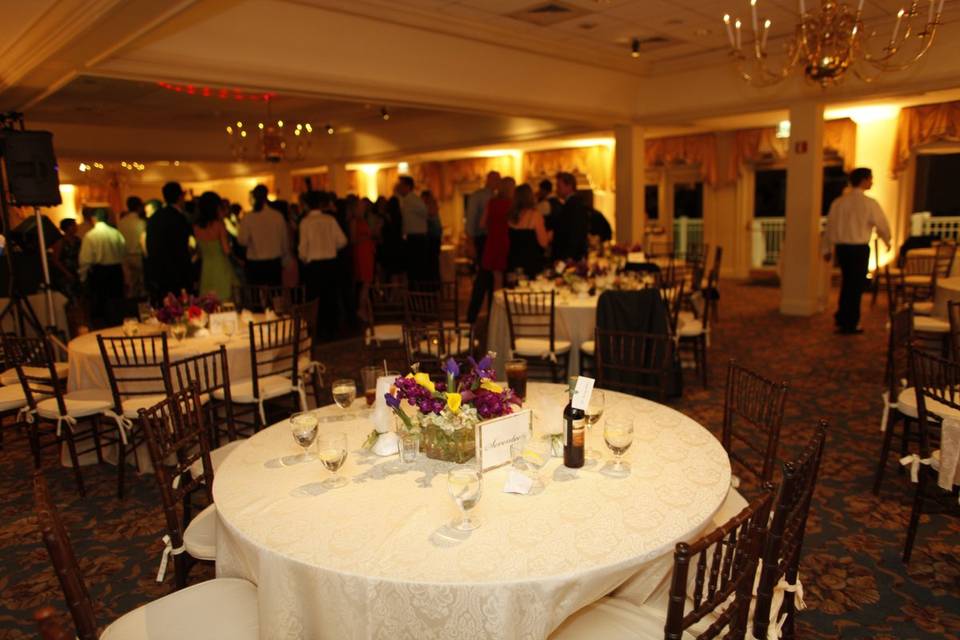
column 571, row 222
column 168, row 246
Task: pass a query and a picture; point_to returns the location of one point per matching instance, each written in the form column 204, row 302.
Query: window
column 688, row 200
column 770, row 191
column 651, row 201
column 935, row 188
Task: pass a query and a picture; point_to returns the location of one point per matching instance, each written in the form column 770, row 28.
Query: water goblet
column 131, row 327
column 465, row 486
column 303, row 426
column 618, row 434
column 409, row 447
column 229, row 328
column 332, row 451
column 344, row 392
column 178, row 330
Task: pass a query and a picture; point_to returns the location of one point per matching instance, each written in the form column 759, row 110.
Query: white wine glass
column 229, row 328
column 179, row 330
column 303, row 426
column 618, row 434
column 332, row 451
column 344, row 392
column 592, row 416
column 465, row 485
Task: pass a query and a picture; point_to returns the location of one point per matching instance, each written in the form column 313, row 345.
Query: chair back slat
column 257, row 297
column 635, row 363
column 531, row 314
column 387, row 303
column 64, row 561
column 953, row 315
column 671, row 291
column 735, row 550
column 898, row 346
column 136, row 365
column 274, row 349
column 943, row 261
column 937, row 382
column 784, row 540
column 34, row 361
column 758, row 402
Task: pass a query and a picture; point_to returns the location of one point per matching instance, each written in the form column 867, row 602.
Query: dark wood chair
column 532, row 321
column 311, row 370
column 210, row 372
column 257, row 297
column 138, row 369
column 780, row 570
column 386, row 313
column 53, row 416
column 693, row 333
column 185, row 614
column 634, row 363
column 899, row 398
column 671, row 291
column 938, row 399
column 752, row 416
column 179, row 445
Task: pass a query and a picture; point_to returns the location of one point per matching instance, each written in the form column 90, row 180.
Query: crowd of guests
column 514, row 230
column 335, row 247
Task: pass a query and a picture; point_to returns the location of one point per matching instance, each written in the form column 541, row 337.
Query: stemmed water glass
column 344, row 392
column 229, row 328
column 592, row 416
column 618, row 434
column 465, row 486
column 303, row 426
column 179, row 330
column 332, row 451
column 531, row 456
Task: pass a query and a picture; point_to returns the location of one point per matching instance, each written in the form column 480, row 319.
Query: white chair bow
column 168, row 551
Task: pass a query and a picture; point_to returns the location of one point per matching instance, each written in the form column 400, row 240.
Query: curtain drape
column 595, row 162
column 922, row 125
column 699, row 149
column 443, row 177
column 750, row 145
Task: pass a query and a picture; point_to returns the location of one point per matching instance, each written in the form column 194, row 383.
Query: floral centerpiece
column 446, row 414
column 188, row 310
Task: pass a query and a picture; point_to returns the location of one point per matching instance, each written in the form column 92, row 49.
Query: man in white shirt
column 263, row 232
column 320, row 239
column 476, row 205
column 852, row 218
column 133, row 226
column 102, row 253
column 413, row 212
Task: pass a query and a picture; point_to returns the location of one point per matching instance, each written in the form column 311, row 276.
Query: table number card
column 217, row 320
column 494, row 437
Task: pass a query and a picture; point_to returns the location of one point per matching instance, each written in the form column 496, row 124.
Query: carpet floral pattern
column 855, row 585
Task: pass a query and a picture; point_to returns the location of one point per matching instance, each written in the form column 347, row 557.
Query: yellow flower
column 424, row 381
column 453, row 401
column 490, row 385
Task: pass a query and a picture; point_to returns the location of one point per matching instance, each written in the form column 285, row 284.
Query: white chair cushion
column 270, row 387
column 690, row 328
column 217, row 456
column 588, row 347
column 221, row 609
column 928, row 324
column 907, row 402
column 923, row 308
column 387, row 333
column 917, row 279
column 540, row 347
column 80, row 404
column 10, row 376
column 12, row 398
column 133, row 404
column 200, row 536
column 685, row 316
column 733, row 504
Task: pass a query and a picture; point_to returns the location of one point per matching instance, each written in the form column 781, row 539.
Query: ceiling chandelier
column 831, row 40
column 272, row 140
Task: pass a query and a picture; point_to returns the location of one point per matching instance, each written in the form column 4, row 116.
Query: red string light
column 221, row 94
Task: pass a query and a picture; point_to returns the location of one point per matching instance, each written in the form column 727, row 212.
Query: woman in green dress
column 216, row 271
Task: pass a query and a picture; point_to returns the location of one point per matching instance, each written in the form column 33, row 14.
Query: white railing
column 924, row 224
column 767, row 236
column 687, row 232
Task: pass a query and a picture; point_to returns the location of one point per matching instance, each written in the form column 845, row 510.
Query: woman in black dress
column 528, row 234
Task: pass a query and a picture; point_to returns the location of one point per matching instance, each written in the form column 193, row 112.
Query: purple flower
column 452, row 368
column 392, row 401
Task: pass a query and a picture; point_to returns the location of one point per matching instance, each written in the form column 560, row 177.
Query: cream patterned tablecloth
column 375, row 559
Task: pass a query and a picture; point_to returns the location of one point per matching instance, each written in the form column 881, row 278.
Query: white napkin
column 518, row 482
column 949, row 454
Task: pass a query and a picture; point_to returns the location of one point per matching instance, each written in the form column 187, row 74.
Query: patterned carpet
column 854, row 582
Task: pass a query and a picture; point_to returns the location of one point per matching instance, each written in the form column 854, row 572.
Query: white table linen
column 374, row 559
column 948, row 289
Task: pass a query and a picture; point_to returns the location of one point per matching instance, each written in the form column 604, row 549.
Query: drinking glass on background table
column 368, row 376
column 592, row 416
column 409, row 447
column 516, row 371
column 465, row 486
column 131, row 327
column 531, row 456
column 304, row 429
column 618, row 434
column 178, row 330
column 229, row 328
column 332, row 451
column 344, row 392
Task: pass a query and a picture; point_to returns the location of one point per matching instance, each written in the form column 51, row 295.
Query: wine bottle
column 574, row 426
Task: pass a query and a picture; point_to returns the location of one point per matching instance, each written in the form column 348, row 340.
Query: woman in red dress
column 493, row 262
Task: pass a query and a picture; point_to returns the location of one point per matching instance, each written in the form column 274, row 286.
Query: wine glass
column 304, row 429
column 618, row 434
column 332, row 451
column 464, row 485
column 178, row 330
column 592, row 416
column 229, row 328
column 131, row 327
column 344, row 392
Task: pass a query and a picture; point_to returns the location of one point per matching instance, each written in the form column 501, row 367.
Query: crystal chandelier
column 272, row 141
column 831, row 40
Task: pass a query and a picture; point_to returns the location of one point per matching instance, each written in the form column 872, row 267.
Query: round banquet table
column 87, row 370
column 948, row 289
column 375, row 559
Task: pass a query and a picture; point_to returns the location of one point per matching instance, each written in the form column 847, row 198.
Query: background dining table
column 377, row 559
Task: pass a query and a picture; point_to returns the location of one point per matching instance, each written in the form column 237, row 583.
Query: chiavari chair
column 220, row 609
column 210, row 373
column 634, row 363
column 776, row 601
column 712, row 294
column 532, row 321
column 12, row 400
column 138, row 370
column 710, row 589
column 179, row 445
column 938, row 401
column 671, row 291
column 257, row 297
column 694, row 333
column 55, row 417
column 386, row 313
column 752, row 417
column 311, row 370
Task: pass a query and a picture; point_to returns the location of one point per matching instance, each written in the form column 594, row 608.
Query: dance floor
column 855, row 585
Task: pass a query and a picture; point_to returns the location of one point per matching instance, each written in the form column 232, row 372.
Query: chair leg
column 33, row 433
column 702, row 359
column 121, row 466
column 885, row 450
column 96, row 439
column 914, row 517
column 905, row 437
column 315, row 383
column 74, row 460
column 180, row 570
